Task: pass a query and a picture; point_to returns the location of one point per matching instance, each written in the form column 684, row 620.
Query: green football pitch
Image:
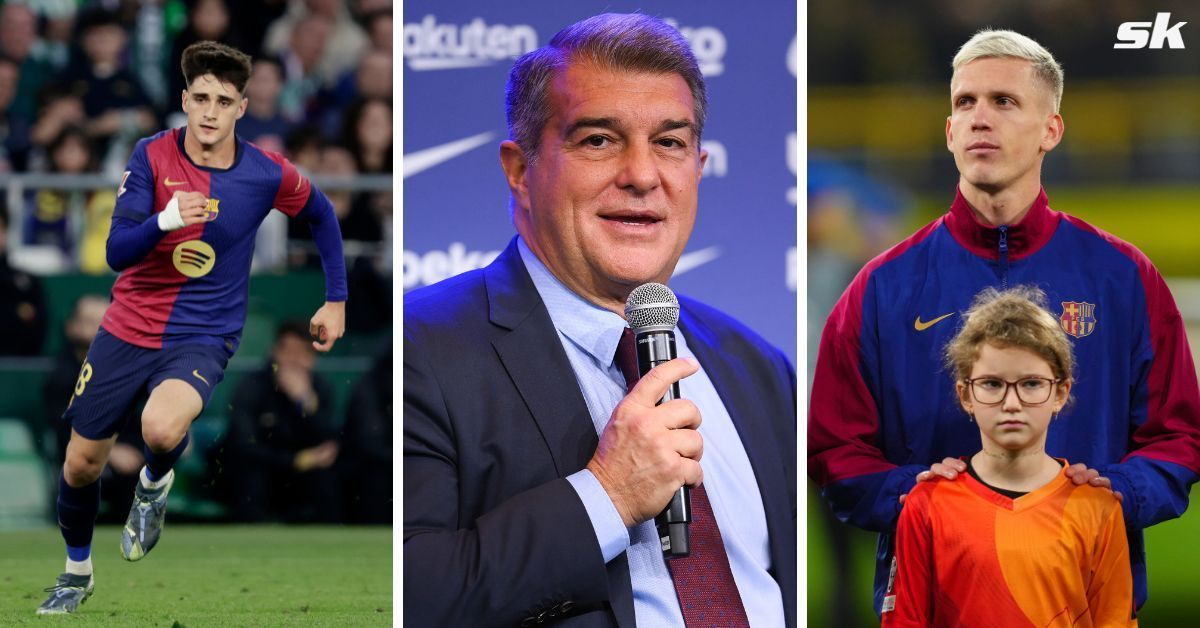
column 1172, row 553
column 211, row 576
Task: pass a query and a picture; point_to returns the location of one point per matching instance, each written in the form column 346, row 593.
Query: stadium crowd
column 80, row 84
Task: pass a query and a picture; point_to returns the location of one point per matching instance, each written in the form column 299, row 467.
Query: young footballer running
column 1014, row 542
column 188, row 208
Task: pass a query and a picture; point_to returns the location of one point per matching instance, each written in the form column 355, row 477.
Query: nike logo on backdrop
column 921, row 326
column 695, row 259
column 200, row 377
column 425, row 159
column 169, row 183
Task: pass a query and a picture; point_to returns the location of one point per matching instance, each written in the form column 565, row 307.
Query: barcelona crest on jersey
column 1078, row 319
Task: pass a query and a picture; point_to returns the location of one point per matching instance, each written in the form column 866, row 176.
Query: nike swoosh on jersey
column 200, row 377
column 427, row 158
column 169, row 183
column 695, row 259
column 922, row 326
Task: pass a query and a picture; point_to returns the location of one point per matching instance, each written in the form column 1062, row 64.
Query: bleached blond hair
column 991, row 43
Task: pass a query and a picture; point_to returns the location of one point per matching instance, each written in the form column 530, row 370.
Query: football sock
column 77, row 508
column 79, row 567
column 158, row 465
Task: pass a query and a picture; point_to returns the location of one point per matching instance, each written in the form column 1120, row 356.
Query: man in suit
column 533, row 464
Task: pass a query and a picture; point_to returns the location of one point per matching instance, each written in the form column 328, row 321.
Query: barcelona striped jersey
column 192, row 286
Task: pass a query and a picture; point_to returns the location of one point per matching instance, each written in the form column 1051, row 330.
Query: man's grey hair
column 1011, row 44
column 631, row 42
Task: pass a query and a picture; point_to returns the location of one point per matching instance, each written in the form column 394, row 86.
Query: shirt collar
column 595, row 330
column 1024, row 238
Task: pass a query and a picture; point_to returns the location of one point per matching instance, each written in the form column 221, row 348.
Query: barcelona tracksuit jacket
column 883, row 406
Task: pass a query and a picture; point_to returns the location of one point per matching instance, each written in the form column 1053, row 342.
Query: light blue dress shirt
column 590, row 334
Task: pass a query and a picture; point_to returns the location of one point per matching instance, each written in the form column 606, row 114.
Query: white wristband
column 169, row 218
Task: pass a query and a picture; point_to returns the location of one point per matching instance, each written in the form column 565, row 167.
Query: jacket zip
column 1004, row 257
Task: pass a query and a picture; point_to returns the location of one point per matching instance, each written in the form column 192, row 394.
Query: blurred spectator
column 121, row 474
column 368, row 438
column 58, row 19
column 346, row 39
column 367, row 132
column 370, row 282
column 366, row 7
column 18, row 37
column 279, row 453
column 152, row 26
column 74, row 221
column 263, row 124
column 22, row 305
column 371, row 79
column 208, row 20
column 14, row 129
column 303, row 148
column 302, row 82
column 112, row 97
column 253, row 19
column 379, row 29
column 49, row 211
column 57, row 110
column 355, row 213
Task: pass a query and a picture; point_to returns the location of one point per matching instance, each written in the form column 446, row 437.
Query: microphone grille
column 652, row 306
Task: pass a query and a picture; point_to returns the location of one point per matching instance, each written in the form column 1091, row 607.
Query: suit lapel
column 537, row 363
column 535, row 360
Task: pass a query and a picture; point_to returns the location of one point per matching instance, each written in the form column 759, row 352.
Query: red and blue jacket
column 190, row 285
column 883, row 407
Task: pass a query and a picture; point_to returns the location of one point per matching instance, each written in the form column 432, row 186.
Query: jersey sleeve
column 1110, row 593
column 845, row 456
column 135, row 196
column 1164, row 457
column 909, row 595
column 294, row 189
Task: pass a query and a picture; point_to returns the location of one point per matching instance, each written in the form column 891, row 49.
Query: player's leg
column 78, row 504
column 180, row 386
column 169, row 412
column 109, row 381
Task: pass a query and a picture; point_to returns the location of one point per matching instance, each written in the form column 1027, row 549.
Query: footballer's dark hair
column 228, row 64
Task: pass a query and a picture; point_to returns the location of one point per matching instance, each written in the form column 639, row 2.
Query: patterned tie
column 708, row 596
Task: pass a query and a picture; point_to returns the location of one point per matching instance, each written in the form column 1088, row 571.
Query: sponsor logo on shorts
column 200, row 377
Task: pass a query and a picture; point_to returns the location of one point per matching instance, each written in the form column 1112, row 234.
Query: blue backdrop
column 742, row 255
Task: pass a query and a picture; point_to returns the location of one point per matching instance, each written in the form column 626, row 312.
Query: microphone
column 652, row 312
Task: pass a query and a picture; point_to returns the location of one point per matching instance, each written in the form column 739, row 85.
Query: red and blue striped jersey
column 883, row 407
column 192, row 286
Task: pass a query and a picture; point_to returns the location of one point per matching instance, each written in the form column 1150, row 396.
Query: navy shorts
column 116, row 374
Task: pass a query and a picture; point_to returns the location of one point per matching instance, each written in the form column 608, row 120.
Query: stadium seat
column 15, row 438
column 24, row 493
column 192, row 497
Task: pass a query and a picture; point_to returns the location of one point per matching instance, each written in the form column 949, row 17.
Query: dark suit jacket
column 494, row 421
